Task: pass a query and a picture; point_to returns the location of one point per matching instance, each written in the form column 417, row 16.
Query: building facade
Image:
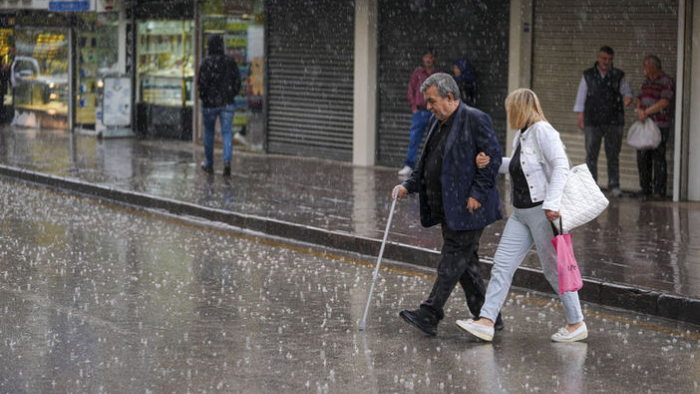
column 327, row 78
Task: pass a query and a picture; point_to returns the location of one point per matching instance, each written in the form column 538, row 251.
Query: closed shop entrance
column 567, row 36
column 310, row 78
column 477, row 30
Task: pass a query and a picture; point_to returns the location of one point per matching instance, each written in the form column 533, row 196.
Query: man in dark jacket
column 219, row 82
column 456, row 195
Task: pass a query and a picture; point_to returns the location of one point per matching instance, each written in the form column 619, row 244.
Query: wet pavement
column 651, row 246
column 99, row 298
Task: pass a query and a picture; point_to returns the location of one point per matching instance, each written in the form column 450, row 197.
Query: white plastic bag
column 644, row 135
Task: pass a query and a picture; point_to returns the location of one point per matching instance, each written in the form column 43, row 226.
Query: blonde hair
column 523, row 108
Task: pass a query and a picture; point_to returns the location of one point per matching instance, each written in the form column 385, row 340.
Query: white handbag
column 582, row 200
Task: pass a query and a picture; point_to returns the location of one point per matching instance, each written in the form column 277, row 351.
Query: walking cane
column 363, row 323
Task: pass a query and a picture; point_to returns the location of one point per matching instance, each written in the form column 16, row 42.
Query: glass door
column 241, row 25
column 98, row 56
column 39, row 76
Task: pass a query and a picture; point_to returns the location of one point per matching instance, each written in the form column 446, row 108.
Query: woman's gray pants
column 526, row 227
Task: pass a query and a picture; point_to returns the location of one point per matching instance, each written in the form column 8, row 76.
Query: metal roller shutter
column 310, row 78
column 474, row 29
column 567, row 36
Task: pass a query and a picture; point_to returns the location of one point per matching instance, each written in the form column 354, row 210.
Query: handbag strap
column 557, row 231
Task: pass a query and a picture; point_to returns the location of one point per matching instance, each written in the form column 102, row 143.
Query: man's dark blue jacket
column 471, row 133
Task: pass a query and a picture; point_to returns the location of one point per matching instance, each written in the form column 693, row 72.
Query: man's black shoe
column 499, row 325
column 206, row 168
column 227, row 169
column 659, row 197
column 420, row 320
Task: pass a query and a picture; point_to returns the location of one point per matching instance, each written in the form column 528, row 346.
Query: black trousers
column 651, row 164
column 459, row 262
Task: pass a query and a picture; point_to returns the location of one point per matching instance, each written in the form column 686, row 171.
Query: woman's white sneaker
column 406, row 170
column 480, row 331
column 563, row 335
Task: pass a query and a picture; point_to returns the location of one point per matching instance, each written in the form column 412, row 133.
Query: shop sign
column 70, row 6
column 24, row 4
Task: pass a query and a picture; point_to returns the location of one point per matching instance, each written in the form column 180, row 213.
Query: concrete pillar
column 365, row 80
column 694, row 121
column 519, row 52
column 682, row 101
column 121, row 57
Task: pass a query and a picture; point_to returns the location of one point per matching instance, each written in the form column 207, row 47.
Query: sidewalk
column 642, row 256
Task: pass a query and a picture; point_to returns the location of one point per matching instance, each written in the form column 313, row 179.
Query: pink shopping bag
column 569, row 275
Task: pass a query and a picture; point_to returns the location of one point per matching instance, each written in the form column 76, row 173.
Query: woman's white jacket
column 544, row 162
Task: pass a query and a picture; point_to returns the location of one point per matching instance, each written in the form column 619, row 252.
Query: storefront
column 241, row 23
column 165, row 57
column 7, row 48
column 55, row 57
column 477, row 31
column 40, row 71
column 310, row 78
column 100, row 56
column 566, row 39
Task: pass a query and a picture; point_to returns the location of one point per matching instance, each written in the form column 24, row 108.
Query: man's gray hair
column 445, row 84
column 655, row 61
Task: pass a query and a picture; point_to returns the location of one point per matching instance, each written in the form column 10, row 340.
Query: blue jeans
column 418, row 122
column 225, row 115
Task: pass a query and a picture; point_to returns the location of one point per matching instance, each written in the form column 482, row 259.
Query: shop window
column 40, row 76
column 241, row 25
column 165, row 63
column 7, row 45
column 98, row 54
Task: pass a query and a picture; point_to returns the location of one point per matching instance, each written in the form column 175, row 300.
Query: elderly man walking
column 462, row 199
column 599, row 104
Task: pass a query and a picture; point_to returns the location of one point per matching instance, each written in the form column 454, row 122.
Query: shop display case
column 7, row 38
column 37, row 92
column 165, row 78
column 97, row 58
column 39, row 76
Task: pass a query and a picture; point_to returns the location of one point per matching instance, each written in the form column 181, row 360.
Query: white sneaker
column 480, row 331
column 563, row 335
column 240, row 139
column 406, row 170
column 616, row 192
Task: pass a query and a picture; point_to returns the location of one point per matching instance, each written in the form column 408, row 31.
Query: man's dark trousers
column 458, row 263
column 613, row 144
column 652, row 167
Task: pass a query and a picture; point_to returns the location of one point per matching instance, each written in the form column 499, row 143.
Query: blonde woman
column 538, row 170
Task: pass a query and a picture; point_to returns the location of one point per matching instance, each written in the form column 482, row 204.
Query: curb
column 604, row 293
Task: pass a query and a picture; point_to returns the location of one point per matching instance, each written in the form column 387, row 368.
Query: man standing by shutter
column 654, row 101
column 599, row 104
column 421, row 115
